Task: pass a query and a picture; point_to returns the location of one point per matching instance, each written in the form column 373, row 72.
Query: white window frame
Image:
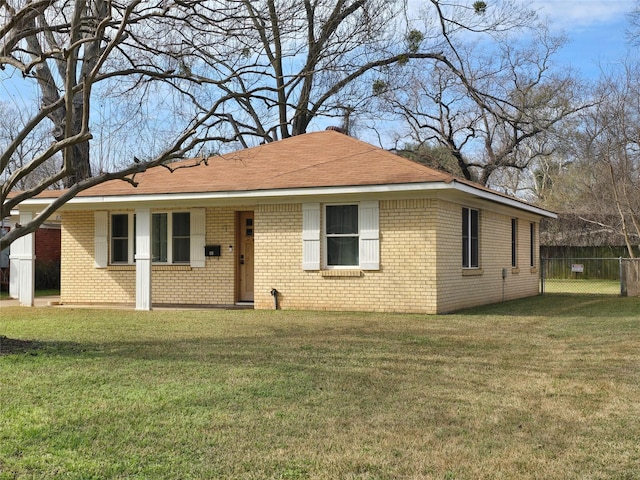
column 314, row 240
column 326, row 236
column 130, row 238
column 514, row 243
column 170, row 214
column 532, row 244
column 470, row 250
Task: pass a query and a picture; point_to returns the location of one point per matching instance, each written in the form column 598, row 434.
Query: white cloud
column 572, row 14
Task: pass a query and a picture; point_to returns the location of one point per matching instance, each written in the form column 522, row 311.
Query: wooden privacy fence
column 630, row 277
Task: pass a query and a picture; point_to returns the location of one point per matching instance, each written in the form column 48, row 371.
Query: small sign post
column 577, row 268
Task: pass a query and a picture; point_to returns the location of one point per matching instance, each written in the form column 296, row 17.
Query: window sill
column 534, row 269
column 341, row 273
column 124, row 268
column 472, row 272
column 515, row 270
column 177, row 266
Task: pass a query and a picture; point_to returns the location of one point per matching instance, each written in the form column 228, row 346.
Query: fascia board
column 241, row 195
column 288, row 195
column 494, row 197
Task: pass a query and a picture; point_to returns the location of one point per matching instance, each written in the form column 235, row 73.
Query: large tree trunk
column 79, row 161
column 77, row 158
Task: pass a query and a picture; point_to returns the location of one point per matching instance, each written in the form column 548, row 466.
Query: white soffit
column 288, row 195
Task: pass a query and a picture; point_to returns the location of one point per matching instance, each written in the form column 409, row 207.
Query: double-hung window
column 514, row 242
column 170, row 239
column 180, row 237
column 175, row 238
column 532, row 244
column 342, row 235
column 122, row 237
column 470, row 238
column 159, row 241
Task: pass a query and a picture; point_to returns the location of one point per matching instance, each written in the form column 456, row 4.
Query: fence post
column 622, row 288
column 542, row 269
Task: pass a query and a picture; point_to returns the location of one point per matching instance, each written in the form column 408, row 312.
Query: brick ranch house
column 318, row 221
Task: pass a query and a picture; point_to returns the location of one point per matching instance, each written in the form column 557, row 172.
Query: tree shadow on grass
column 18, row 346
column 236, row 350
column 286, row 351
column 10, row 346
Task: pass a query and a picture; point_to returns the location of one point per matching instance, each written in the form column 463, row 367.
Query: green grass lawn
column 547, row 387
column 590, row 287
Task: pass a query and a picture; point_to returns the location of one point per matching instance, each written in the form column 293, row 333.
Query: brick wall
column 81, row 282
column 211, row 285
column 412, row 278
column 405, row 281
column 460, row 288
column 47, row 244
column 420, row 263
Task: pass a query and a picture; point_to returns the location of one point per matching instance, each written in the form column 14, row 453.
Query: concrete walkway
column 54, row 301
column 49, row 301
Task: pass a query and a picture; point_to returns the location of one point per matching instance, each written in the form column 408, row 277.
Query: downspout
column 274, row 294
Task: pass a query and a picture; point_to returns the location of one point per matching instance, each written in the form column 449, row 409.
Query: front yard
column 547, row 387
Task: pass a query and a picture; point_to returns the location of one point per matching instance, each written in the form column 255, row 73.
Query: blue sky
column 596, row 30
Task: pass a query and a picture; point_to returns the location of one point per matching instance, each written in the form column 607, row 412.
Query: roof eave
column 495, row 197
column 119, row 200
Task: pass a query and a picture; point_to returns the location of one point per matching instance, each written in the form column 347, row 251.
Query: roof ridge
column 371, row 147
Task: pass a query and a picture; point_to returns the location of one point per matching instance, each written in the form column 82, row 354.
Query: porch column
column 14, row 288
column 143, row 259
column 23, row 263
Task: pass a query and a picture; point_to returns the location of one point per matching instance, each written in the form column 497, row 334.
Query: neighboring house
column 321, row 220
column 47, row 255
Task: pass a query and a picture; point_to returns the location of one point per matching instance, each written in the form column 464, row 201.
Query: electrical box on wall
column 212, row 251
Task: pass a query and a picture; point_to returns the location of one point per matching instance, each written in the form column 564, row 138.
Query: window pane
column 465, row 237
column 474, row 223
column 514, row 243
column 470, row 243
column 120, row 225
column 342, row 251
column 474, row 238
column 119, row 250
column 159, row 245
column 532, row 242
column 342, row 219
column 474, row 253
column 465, row 223
column 181, row 248
column 181, row 224
column 181, row 240
column 120, row 238
column 465, row 252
